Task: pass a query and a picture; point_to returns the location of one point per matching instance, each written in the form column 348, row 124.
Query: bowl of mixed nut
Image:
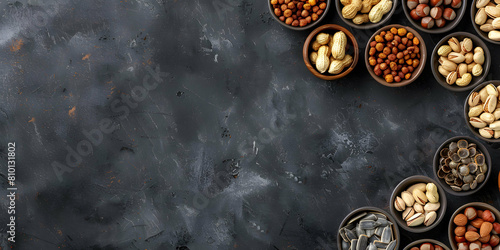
column 485, row 15
column 462, row 165
column 330, row 52
column 368, row 228
column 460, row 61
column 365, row 14
column 474, row 226
column 395, row 55
column 426, row 244
column 434, row 16
column 418, row 203
column 298, row 14
column 482, row 111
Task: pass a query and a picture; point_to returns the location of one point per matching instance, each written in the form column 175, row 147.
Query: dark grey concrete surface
column 153, row 124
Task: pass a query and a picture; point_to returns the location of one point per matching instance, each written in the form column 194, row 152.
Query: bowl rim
column 442, row 200
column 305, row 51
column 417, row 242
column 466, row 111
column 486, row 65
column 470, row 204
column 481, row 33
column 435, row 165
column 312, row 24
column 369, row 208
column 418, row 70
column 447, row 27
column 369, row 25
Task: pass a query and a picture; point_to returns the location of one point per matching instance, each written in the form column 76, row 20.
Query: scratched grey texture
column 239, row 146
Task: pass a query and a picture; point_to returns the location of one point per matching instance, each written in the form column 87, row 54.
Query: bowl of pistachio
column 418, row 203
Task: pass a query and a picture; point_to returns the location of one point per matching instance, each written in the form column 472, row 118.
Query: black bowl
column 418, row 242
column 447, row 27
column 466, row 112
column 367, row 25
column 312, row 24
column 443, row 184
column 475, row 79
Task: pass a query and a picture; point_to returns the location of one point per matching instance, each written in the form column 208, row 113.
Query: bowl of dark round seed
column 462, row 165
column 368, row 228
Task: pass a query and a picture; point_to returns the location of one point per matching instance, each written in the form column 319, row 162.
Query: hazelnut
column 440, row 22
column 414, row 16
column 422, row 10
column 436, row 12
column 449, row 14
column 436, row 3
column 471, row 213
column 427, row 22
column 412, row 4
column 456, row 4
column 488, row 216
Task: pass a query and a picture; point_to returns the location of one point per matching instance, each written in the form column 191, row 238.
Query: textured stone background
column 239, row 146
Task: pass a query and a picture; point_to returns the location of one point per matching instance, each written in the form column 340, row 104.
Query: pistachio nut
column 454, row 44
column 481, row 3
column 456, row 57
column 418, row 208
column 496, row 113
column 495, row 125
column 486, row 132
column 432, row 193
column 464, row 80
column 408, row 198
column 444, row 50
column 491, row 89
column 443, row 71
column 478, row 58
column 475, row 111
column 474, row 99
column 467, row 45
column 492, row 11
column 469, row 57
column 494, row 34
column 451, row 78
column 431, row 187
column 490, row 104
column 483, row 93
column 462, row 69
column 478, row 50
column 399, row 204
column 421, row 186
column 481, row 16
column 487, row 27
column 487, row 117
column 447, row 64
column 477, row 123
column 408, row 213
column 477, row 70
column 432, row 206
column 430, row 218
column 496, row 23
column 416, row 220
column 419, row 196
column 497, row 134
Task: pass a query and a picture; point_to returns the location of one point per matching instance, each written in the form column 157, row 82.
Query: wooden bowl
column 476, row 205
column 360, row 210
column 368, row 25
column 416, row 72
column 437, row 156
column 466, row 112
column 476, row 80
column 352, row 49
column 447, row 27
column 482, row 34
column 402, row 186
column 419, row 242
column 312, row 24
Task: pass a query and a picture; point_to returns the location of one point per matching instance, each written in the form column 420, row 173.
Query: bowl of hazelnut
column 474, row 226
column 434, row 16
column 365, row 14
column 395, row 55
column 299, row 14
column 330, row 52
